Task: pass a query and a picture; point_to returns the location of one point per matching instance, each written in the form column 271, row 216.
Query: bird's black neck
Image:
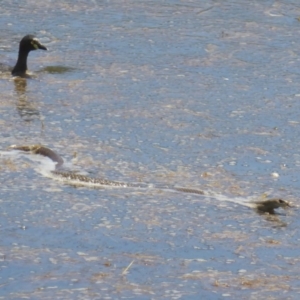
column 21, row 65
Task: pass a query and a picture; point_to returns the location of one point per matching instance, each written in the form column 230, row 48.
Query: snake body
column 264, row 206
column 80, row 179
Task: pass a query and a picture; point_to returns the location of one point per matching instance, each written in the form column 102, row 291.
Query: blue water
column 199, row 94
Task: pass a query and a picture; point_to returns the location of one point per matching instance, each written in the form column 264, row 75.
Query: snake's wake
column 50, row 165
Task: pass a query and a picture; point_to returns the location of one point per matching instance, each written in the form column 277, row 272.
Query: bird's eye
column 281, row 201
column 34, row 44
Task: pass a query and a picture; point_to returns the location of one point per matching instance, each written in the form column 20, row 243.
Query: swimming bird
column 28, row 43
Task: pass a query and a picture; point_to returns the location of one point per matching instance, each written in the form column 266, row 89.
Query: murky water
column 203, row 94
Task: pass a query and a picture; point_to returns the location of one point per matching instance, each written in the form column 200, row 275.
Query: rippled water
column 202, row 94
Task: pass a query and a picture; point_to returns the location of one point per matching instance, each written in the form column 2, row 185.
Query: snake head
column 276, row 203
column 271, row 204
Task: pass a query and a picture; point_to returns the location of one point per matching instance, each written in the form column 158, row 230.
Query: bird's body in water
column 27, row 44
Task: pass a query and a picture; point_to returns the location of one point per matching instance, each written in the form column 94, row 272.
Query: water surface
column 201, row 94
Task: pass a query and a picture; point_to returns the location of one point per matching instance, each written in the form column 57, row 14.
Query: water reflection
column 59, row 69
column 27, row 111
column 274, row 218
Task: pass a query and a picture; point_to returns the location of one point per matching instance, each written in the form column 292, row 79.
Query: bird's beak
column 40, row 46
column 37, row 45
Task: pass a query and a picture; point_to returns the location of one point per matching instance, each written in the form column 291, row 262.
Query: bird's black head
column 30, row 42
